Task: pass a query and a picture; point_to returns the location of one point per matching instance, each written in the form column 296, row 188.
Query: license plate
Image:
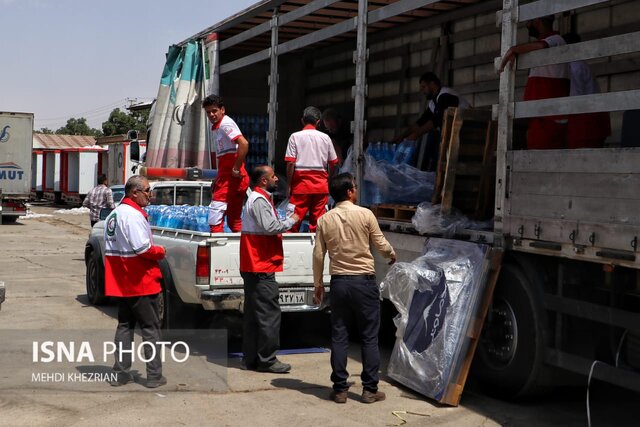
column 291, row 297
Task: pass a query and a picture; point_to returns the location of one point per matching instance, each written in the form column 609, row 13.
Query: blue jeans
column 359, row 298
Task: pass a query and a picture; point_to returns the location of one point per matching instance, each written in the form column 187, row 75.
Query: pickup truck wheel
column 510, row 354
column 95, row 280
column 174, row 314
column 9, row 219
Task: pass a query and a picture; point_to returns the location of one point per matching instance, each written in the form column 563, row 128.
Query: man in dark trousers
column 261, row 256
column 98, row 197
column 347, row 233
column 132, row 274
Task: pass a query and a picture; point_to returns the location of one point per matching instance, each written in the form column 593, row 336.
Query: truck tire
column 510, row 355
column 95, row 279
column 9, row 219
column 174, row 314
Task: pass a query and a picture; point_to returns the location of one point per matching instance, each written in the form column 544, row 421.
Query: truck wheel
column 95, row 279
column 174, row 314
column 9, row 219
column 510, row 354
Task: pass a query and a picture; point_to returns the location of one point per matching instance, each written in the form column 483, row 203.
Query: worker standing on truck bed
column 311, row 160
column 132, row 274
column 231, row 184
column 547, row 81
column 347, row 232
column 261, row 256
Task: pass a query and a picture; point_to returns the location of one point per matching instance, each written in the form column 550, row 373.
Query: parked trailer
column 52, row 172
column 37, row 179
column 123, row 160
column 16, row 131
column 567, row 220
column 80, row 170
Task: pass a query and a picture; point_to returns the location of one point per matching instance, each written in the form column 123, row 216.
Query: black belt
column 354, row 276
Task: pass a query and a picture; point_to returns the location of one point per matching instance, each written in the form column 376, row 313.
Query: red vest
column 131, row 259
column 259, row 252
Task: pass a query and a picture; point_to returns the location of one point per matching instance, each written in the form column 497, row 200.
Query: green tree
column 45, row 131
column 78, row 127
column 119, row 122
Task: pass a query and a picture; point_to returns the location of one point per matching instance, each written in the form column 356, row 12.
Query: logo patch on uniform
column 112, row 221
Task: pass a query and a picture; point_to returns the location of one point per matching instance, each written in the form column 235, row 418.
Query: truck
column 567, row 222
column 125, row 154
column 16, row 139
column 201, row 269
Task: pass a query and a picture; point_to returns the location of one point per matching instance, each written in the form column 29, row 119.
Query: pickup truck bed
column 201, row 268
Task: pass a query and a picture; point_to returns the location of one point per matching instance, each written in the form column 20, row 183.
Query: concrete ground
column 43, row 267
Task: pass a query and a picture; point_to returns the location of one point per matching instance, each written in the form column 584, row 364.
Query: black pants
column 261, row 321
column 357, row 298
column 142, row 311
column 431, row 152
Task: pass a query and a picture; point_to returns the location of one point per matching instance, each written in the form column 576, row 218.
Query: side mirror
column 104, row 213
column 134, row 148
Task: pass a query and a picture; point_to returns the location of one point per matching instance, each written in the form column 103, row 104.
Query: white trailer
column 51, row 173
column 16, row 140
column 123, row 160
column 80, row 171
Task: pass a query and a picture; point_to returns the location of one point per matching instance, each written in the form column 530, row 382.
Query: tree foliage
column 120, row 123
column 45, row 131
column 78, row 127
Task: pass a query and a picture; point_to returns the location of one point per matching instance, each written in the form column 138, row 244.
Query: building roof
column 46, row 141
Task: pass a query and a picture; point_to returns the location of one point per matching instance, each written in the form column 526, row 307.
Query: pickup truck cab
column 201, row 268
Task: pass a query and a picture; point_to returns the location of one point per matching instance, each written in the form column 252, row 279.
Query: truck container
column 566, row 220
column 124, row 156
column 80, row 170
column 37, row 177
column 16, row 139
column 52, row 172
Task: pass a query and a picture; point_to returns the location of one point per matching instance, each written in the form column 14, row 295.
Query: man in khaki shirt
column 347, row 233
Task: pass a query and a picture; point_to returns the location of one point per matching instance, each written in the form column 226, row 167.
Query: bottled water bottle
column 409, row 152
column 398, row 157
column 203, row 218
column 386, row 152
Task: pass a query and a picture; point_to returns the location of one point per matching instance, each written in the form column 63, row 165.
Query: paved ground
column 43, row 268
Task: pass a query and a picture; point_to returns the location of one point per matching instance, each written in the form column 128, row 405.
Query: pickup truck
column 201, row 268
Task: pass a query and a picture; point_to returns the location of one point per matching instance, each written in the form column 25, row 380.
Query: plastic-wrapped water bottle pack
column 185, row 217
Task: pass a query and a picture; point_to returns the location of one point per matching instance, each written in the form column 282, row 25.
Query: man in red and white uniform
column 548, row 81
column 310, row 153
column 232, row 181
column 261, row 256
column 132, row 274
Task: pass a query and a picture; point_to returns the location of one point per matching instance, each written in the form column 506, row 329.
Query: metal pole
column 359, row 92
column 505, row 115
column 272, row 107
column 211, row 85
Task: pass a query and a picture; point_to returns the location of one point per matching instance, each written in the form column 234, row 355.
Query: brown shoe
column 371, row 397
column 339, row 396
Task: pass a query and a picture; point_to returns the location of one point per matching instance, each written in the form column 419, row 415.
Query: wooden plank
column 442, row 157
column 487, row 187
column 454, row 389
column 452, row 160
column 604, row 160
column 394, row 212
